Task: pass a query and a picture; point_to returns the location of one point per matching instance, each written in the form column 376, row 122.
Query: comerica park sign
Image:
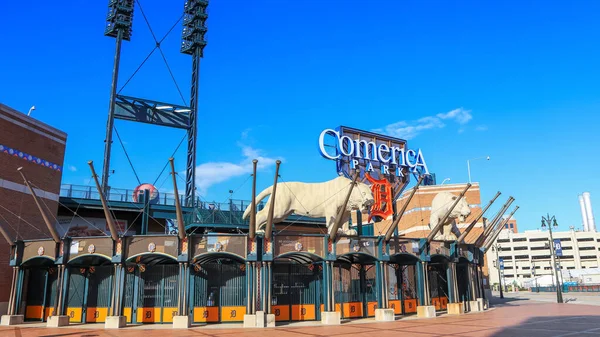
column 389, row 156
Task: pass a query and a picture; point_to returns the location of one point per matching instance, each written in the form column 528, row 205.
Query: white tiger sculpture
column 439, row 206
column 314, row 200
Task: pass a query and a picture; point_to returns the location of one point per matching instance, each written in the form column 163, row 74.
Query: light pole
column 551, row 222
column 469, row 165
column 497, row 248
column 447, row 179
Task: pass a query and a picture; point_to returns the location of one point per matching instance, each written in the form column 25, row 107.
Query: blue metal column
column 380, row 284
column 63, row 295
column 18, row 296
column 146, row 211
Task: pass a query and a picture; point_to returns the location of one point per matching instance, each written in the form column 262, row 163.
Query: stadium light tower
column 118, row 25
column 193, row 43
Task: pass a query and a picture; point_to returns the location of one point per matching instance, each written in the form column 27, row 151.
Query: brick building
column 415, row 222
column 512, row 226
column 39, row 149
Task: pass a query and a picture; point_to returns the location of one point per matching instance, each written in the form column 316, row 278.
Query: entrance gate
column 438, row 285
column 462, row 279
column 402, row 284
column 296, row 291
column 88, row 295
column 355, row 289
column 151, row 293
column 218, row 291
column 40, row 292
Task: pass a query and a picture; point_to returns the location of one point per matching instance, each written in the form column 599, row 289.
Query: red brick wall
column 20, row 217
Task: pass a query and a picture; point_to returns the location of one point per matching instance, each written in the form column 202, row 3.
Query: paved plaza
column 513, row 316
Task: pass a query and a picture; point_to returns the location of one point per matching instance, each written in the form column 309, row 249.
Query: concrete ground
column 572, row 297
column 515, row 315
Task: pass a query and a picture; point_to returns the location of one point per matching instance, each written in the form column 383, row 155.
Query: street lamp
column 469, row 165
column 447, row 179
column 550, row 222
column 497, row 248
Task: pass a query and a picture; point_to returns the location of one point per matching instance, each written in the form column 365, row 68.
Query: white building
column 527, row 255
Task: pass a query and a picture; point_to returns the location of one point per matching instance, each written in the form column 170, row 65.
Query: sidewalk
column 509, row 317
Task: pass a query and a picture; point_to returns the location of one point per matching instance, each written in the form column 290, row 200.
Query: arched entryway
column 218, row 289
column 151, row 288
column 40, row 287
column 438, row 273
column 89, row 290
column 355, row 285
column 462, row 281
column 402, row 284
column 296, row 289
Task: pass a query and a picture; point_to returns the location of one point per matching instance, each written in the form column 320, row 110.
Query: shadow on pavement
column 553, row 326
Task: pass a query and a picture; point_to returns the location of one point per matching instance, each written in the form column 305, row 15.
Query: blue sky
column 521, row 76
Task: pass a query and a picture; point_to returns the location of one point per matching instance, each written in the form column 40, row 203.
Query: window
column 521, row 239
column 506, row 226
column 521, row 257
column 539, row 248
column 538, row 239
column 585, row 239
column 512, row 226
column 587, row 257
column 587, row 248
column 572, row 267
column 543, row 257
column 565, row 239
column 520, row 248
column 502, row 240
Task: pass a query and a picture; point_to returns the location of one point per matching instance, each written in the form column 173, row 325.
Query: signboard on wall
column 558, row 247
column 80, row 227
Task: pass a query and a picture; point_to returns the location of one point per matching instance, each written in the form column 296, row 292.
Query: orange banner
column 303, row 312
column 282, row 312
column 410, row 306
column 168, row 314
column 206, row 314
column 353, row 309
column 127, row 314
column 396, row 306
column 96, row 315
column 148, row 315
column 233, row 314
column 34, row 312
column 74, row 315
column 371, row 306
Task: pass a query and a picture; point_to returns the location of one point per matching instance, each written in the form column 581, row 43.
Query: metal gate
column 438, row 285
column 355, row 288
column 41, row 292
column 88, row 295
column 402, row 289
column 151, row 293
column 218, row 292
column 462, row 279
column 296, row 291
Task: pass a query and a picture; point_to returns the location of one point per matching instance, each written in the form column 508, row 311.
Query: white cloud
column 481, row 128
column 72, row 168
column 409, row 130
column 212, row 173
column 460, row 115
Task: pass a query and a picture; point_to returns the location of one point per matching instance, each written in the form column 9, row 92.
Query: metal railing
column 229, row 212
